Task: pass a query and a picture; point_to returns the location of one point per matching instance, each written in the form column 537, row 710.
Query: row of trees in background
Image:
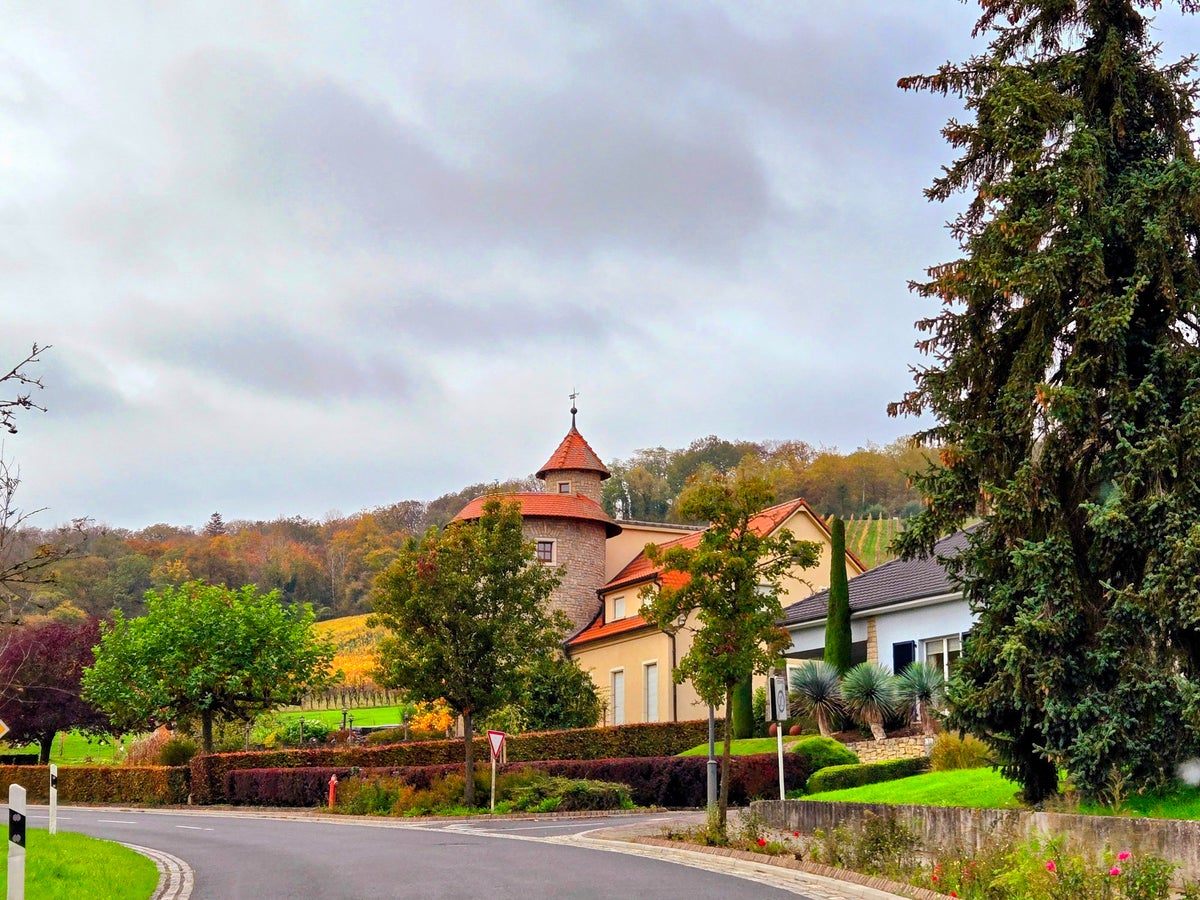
column 332, row 564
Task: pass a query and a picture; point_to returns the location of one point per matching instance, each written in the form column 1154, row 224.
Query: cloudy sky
column 302, row 257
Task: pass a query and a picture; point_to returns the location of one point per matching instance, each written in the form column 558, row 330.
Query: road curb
column 175, row 877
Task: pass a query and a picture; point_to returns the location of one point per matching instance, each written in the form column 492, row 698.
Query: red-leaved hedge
column 673, row 781
column 209, row 773
column 155, row 785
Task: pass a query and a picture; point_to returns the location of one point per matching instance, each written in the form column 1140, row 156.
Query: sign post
column 16, row 842
column 779, row 712
column 496, row 742
column 53, row 799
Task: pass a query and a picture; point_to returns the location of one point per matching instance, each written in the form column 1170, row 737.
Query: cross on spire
column 574, row 393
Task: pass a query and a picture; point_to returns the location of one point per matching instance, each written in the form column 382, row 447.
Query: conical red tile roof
column 574, row 453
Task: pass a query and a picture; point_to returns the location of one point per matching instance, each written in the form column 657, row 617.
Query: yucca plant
column 922, row 685
column 869, row 694
column 816, row 691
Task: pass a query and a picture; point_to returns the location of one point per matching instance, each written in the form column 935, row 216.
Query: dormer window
column 618, row 608
column 564, row 487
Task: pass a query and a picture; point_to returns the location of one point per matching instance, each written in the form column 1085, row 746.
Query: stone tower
column 567, row 524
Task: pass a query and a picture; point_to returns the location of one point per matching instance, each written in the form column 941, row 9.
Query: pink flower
column 1115, row 870
column 1122, row 856
column 1050, row 866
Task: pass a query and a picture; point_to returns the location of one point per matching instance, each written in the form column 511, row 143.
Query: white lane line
column 193, row 828
column 117, row 821
column 60, row 818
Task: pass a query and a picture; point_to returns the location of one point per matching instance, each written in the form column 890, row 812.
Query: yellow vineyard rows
column 356, row 645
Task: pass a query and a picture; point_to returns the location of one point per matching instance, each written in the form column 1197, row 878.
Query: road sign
column 779, row 701
column 4, row 729
column 496, row 740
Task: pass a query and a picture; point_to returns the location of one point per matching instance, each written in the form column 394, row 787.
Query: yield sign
column 496, row 740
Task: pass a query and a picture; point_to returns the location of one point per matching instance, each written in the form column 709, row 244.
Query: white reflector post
column 16, row 842
column 53, row 799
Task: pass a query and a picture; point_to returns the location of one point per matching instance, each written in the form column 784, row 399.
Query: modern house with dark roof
column 900, row 612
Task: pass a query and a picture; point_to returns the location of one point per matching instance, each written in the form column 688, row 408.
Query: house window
column 650, row 691
column 944, row 652
column 545, row 551
column 617, row 687
column 618, row 609
column 564, row 487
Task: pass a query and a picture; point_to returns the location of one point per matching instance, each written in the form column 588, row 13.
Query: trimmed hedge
column 672, row 781
column 836, row 778
column 152, row 785
column 821, row 752
column 209, row 772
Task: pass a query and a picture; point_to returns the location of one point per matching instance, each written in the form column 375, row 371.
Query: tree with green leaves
column 735, row 573
column 558, row 695
column 837, row 621
column 1065, row 363
column 466, row 608
column 205, row 652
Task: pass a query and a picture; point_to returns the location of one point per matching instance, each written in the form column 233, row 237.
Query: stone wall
column 579, row 548
column 892, row 748
column 1174, row 840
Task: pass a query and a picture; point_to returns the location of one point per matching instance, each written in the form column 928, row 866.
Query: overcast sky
column 302, row 257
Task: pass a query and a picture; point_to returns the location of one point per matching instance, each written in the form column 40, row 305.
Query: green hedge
column 208, row 773
column 836, row 778
column 153, row 785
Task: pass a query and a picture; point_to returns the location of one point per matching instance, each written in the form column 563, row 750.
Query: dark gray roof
column 893, row 582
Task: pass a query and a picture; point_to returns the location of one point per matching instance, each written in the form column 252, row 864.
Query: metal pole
column 53, row 799
column 16, row 842
column 493, row 782
column 712, row 757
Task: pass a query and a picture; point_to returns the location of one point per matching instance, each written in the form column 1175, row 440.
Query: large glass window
column 618, row 696
column 618, row 608
column 650, row 691
column 944, row 652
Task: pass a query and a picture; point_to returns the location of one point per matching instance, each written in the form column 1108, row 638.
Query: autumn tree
column 1065, row 359
column 466, row 609
column 731, row 593
column 40, row 695
column 207, row 652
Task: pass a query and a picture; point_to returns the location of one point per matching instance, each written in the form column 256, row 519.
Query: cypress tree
column 741, row 708
column 1064, row 375
column 837, row 620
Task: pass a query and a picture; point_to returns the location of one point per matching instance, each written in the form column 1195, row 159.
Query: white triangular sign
column 496, row 739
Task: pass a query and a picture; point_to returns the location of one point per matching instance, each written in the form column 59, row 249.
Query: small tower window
column 545, row 551
column 564, row 487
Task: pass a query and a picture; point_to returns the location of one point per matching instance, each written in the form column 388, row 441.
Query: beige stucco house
column 633, row 663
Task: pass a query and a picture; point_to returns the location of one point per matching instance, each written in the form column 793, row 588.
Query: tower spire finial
column 573, row 395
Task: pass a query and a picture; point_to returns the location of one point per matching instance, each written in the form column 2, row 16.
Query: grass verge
column 978, row 788
column 69, row 866
column 744, row 747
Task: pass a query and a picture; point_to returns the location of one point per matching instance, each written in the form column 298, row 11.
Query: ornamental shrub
column 952, row 751
column 819, row 752
column 836, row 778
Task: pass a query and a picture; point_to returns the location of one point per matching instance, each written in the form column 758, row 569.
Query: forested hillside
column 331, row 564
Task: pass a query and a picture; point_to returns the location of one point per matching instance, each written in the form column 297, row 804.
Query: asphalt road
column 261, row 858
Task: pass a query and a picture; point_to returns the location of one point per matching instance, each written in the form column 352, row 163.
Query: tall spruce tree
column 1065, row 380
column 837, row 621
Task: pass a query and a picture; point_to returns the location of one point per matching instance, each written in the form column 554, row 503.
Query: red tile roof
column 601, row 629
column 547, row 506
column 574, row 453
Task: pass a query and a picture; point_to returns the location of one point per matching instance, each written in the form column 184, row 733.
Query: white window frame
column 945, row 640
column 564, row 484
column 646, row 683
column 553, row 550
column 620, row 612
column 617, row 697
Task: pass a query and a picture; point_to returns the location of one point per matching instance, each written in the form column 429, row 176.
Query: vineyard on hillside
column 870, row 538
column 355, row 645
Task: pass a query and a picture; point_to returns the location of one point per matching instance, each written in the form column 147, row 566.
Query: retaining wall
column 940, row 826
column 892, row 748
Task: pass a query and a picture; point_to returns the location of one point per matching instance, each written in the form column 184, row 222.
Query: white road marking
column 118, row 821
column 193, row 828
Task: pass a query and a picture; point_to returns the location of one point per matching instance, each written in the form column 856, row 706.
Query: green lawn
column 1181, row 803
column 980, row 788
column 743, row 747
column 368, row 718
column 72, row 749
column 69, row 866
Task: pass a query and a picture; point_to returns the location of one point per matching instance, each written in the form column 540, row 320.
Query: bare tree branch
column 22, row 400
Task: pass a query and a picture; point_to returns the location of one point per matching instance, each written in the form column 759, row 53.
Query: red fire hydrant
column 332, row 790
